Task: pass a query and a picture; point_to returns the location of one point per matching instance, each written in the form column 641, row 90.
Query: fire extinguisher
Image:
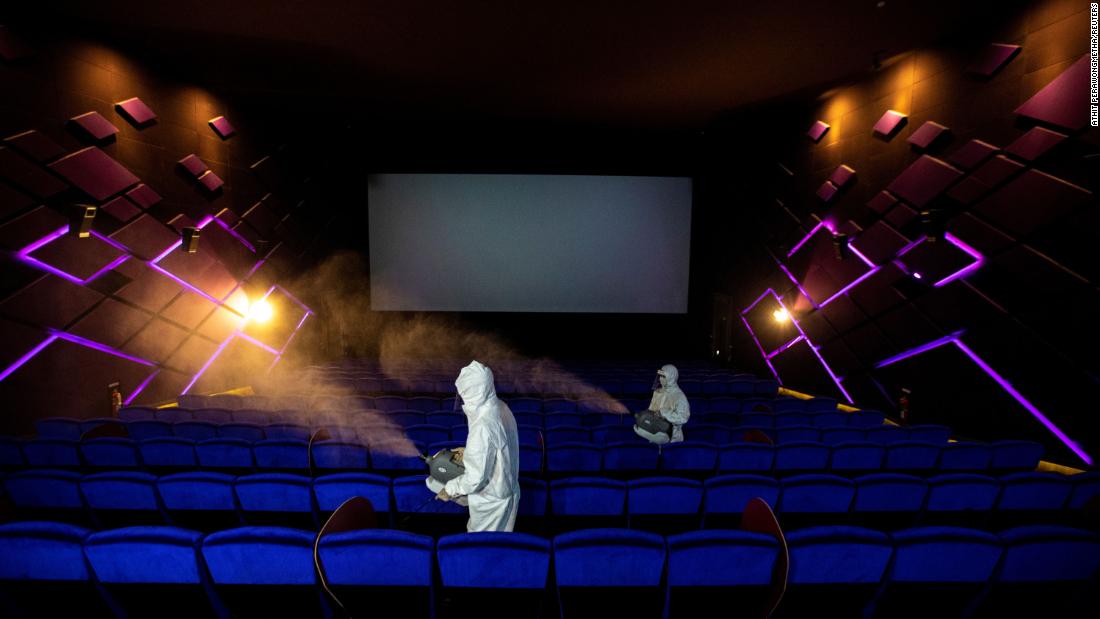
column 903, row 403
column 116, row 398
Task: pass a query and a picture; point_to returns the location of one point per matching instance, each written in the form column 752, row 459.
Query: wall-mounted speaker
column 81, row 217
column 190, row 238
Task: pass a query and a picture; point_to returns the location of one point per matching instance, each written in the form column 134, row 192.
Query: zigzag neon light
column 955, row 338
column 24, row 255
column 802, row 333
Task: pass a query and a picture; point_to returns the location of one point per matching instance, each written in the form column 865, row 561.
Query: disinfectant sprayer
column 445, row 465
column 652, row 422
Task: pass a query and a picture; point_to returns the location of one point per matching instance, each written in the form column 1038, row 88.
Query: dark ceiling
column 643, row 64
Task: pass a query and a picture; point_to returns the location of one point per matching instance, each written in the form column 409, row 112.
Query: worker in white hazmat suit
column 490, row 482
column 670, row 403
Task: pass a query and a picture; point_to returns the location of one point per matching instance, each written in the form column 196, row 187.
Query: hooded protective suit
column 671, row 403
column 491, row 459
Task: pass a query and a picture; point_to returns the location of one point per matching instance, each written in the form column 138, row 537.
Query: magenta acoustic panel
column 95, row 173
column 1063, row 102
column 842, row 176
column 900, row 216
column 972, row 153
column 882, row 202
column 943, row 261
column 30, row 227
column 12, row 46
column 78, row 260
column 94, row 125
column 996, row 170
column 993, row 58
column 111, row 323
column 135, row 111
column 827, row 191
column 879, row 243
column 818, row 131
column 146, row 237
column 194, row 166
column 978, row 234
column 156, row 341
column 968, row 190
column 211, row 182
column 1035, row 143
column 22, row 173
column 150, row 289
column 121, row 209
column 189, row 309
column 143, row 196
column 928, row 134
column 12, row 200
column 35, row 145
column 890, row 123
column 923, row 180
column 222, row 127
column 51, row 301
column 1031, row 200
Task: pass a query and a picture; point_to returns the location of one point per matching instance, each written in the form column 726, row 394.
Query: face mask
column 660, row 382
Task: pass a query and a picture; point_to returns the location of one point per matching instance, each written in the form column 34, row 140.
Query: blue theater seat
column 573, row 458
column 287, row 455
column 378, row 572
column 707, row 433
column 615, row 433
column 200, row 500
column 835, row 435
column 168, row 454
column 554, row 406
column 866, row 419
column 719, row 569
column 631, row 456
column 937, row 572
column 151, row 571
column 395, row 456
column 725, row 497
column 889, row 500
column 416, row 508
column 43, row 573
column 793, row 433
column 1047, row 571
column 331, row 491
column 1032, row 497
column 122, row 498
column 1016, row 455
column 828, row 419
column 788, row 419
column 689, row 457
column 110, row 453
column 276, row 499
column 59, row 427
column 582, row 502
column 856, row 457
column 287, row 430
column 336, row 455
column 424, row 404
column 600, row 571
column 833, row 567
column 928, row 433
column 886, row 434
column 264, row 571
column 534, row 505
column 961, row 499
column 213, row 415
column 245, row 431
column 46, row 494
column 231, row 455
column 257, row 417
column 912, row 456
column 965, row 457
column 52, row 453
column 494, row 560
column 525, row 405
column 530, row 458
column 563, row 434
column 800, row 457
column 1086, row 489
column 11, row 454
column 664, row 505
column 725, row 404
column 195, row 430
column 407, row 419
column 814, row 499
column 746, row 457
column 427, row 435
column 137, row 413
column 144, row 430
column 390, row 403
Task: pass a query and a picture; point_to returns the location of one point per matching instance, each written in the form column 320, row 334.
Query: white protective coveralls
column 490, row 482
column 671, row 403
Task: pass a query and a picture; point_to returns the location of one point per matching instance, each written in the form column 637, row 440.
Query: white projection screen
column 529, row 243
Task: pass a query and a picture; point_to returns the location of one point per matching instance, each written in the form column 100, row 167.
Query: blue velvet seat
column 330, row 491
column 213, row 415
column 615, row 433
column 58, row 427
column 689, row 457
column 245, row 431
column 264, row 571
column 600, row 571
column 396, row 456
column 427, row 434
column 630, row 457
column 929, row 433
column 110, row 453
column 801, row 457
column 379, row 572
column 168, row 454
column 815, row 499
column 283, row 454
column 583, row 502
column 719, row 569
column 725, row 497
column 143, row 430
column 416, row 509
column 1016, row 456
column 122, row 498
column 856, row 457
column 151, row 571
column 571, row 458
column 961, row 499
column 52, row 453
column 889, row 500
column 664, row 505
column 46, row 494
column 276, row 499
column 196, row 430
column 200, row 500
column 746, row 458
column 231, row 455
column 287, row 430
column 337, row 455
column 1032, row 498
column 937, row 571
column 43, row 572
column 834, row 567
column 562, row 434
column 965, row 457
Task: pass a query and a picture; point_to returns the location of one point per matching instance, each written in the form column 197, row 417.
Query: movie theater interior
column 366, row 308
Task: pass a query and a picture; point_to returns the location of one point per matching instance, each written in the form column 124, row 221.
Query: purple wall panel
column 882, row 202
column 143, row 196
column 968, row 190
column 827, row 191
column 222, row 127
column 164, row 387
column 1063, row 102
column 840, row 358
column 220, row 325
column 1033, row 199
column 149, row 289
column 135, row 111
column 817, row 130
column 817, row 327
column 18, row 340
column 51, row 301
column 111, row 323
column 12, row 46
column 890, row 123
column 843, row 314
column 936, row 261
column 193, row 165
column 193, row 354
column 957, row 306
column 35, row 145
column 979, row 235
column 996, row 170
column 211, row 182
column 922, row 181
column 188, row 309
column 992, row 58
column 12, row 200
column 868, row 343
column 79, row 257
column 156, row 341
column 95, row 173
column 146, row 237
column 236, row 363
column 879, row 242
column 799, row 366
column 121, row 209
column 1035, row 143
column 31, row 178
column 972, row 153
column 927, row 134
column 842, row 176
column 900, row 216
column 94, row 125
column 876, row 294
column 30, row 227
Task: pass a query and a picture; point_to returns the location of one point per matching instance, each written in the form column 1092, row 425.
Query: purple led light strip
column 27, row 357
column 25, row 256
column 805, row 238
column 76, row 339
column 794, row 279
column 785, row 346
column 761, row 348
column 1000, row 380
column 140, row 388
column 279, row 357
column 250, row 339
column 235, row 234
column 979, row 260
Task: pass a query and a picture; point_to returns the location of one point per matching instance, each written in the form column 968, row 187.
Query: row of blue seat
column 453, row 427
column 874, row 569
column 349, row 453
column 167, row 498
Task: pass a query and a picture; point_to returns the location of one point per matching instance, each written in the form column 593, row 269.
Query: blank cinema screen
column 529, row 243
